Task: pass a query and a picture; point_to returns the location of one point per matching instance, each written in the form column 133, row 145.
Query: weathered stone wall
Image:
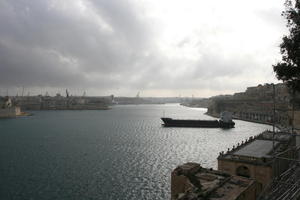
column 9, row 112
column 179, row 181
column 179, row 184
column 250, row 193
column 263, row 174
column 257, row 104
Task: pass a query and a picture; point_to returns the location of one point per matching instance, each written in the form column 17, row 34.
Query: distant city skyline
column 158, row 48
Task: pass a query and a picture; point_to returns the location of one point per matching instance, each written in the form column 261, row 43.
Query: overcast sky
column 120, row 47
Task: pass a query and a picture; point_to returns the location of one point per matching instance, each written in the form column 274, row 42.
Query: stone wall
column 263, row 174
column 257, row 104
column 262, row 168
column 10, row 112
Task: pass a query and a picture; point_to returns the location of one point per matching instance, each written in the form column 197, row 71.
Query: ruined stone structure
column 192, row 182
column 260, row 157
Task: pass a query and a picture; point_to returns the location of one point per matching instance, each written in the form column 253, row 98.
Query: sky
column 122, row 47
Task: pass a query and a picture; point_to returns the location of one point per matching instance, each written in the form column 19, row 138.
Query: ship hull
column 169, row 122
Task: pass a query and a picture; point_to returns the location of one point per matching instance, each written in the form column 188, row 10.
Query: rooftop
column 210, row 184
column 257, row 148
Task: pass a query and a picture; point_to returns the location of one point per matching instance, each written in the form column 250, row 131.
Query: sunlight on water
column 123, row 153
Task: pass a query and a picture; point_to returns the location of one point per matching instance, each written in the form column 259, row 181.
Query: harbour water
column 122, row 153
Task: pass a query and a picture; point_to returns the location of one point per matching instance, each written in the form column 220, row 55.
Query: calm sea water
column 123, row 153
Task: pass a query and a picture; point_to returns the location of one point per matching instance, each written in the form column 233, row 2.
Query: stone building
column 262, row 158
column 7, row 109
column 257, row 104
column 261, row 163
column 192, row 182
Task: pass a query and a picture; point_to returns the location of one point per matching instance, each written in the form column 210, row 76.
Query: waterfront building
column 257, row 104
column 252, row 167
column 59, row 102
column 262, row 158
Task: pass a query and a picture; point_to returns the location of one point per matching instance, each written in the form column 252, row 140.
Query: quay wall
column 256, row 104
column 10, row 112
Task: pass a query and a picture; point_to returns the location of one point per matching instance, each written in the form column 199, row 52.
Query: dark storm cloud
column 212, row 71
column 51, row 46
column 108, row 44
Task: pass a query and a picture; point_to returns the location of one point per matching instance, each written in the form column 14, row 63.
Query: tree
column 288, row 70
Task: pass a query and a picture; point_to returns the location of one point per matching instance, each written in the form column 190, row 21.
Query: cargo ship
column 224, row 122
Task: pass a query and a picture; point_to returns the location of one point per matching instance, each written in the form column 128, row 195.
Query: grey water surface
column 122, row 153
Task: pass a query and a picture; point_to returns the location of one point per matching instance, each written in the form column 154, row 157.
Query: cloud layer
column 162, row 48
